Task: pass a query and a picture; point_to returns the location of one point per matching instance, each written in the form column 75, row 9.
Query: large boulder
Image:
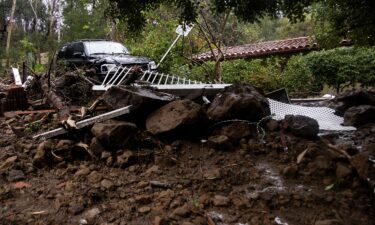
column 114, row 134
column 117, row 97
column 144, row 100
column 359, row 115
column 349, row 99
column 239, row 101
column 174, row 115
column 301, row 126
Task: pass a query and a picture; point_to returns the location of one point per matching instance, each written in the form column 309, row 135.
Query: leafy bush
column 343, row 67
column 298, row 78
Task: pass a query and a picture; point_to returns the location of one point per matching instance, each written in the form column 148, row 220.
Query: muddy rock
column 96, row 147
column 107, row 184
column 41, row 152
column 125, row 158
column 364, row 161
column 359, row 115
column 212, row 174
column 8, row 163
column 220, row 141
column 236, row 130
column 15, row 175
column 63, row 145
column 94, row 177
column 143, row 100
column 328, row 222
column 177, row 114
column 183, row 211
column 144, row 209
column 343, row 171
column 272, row 125
column 76, row 209
column 220, row 200
column 82, row 172
column 239, row 101
column 92, row 213
column 301, row 126
column 350, row 99
column 115, row 134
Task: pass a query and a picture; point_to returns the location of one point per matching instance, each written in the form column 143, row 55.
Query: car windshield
column 105, row 47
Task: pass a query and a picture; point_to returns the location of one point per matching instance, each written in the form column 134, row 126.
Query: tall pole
column 9, row 36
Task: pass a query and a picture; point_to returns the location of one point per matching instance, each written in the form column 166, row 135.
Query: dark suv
column 101, row 54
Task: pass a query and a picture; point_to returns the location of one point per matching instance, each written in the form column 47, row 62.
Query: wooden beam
column 85, row 123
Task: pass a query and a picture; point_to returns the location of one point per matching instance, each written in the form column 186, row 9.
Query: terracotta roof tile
column 292, row 45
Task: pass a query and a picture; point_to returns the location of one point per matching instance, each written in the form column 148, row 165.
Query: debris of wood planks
column 86, row 122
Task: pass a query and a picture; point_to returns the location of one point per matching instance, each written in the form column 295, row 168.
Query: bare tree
column 10, row 27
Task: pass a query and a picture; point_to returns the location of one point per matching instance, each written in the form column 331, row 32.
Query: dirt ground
column 187, row 182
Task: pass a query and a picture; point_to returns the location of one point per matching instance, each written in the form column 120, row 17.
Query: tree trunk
column 10, row 26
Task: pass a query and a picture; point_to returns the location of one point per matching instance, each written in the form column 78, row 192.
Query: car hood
column 122, row 59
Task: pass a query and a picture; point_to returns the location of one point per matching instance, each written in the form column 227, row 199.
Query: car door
column 75, row 54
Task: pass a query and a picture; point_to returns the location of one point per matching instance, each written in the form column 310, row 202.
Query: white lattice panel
column 325, row 116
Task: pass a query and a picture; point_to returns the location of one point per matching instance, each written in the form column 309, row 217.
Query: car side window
column 78, row 50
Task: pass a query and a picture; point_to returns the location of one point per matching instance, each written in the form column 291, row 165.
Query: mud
column 184, row 182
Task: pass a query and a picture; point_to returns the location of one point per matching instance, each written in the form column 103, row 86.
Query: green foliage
column 84, row 19
column 133, row 12
column 339, row 68
column 339, row 19
column 298, row 78
column 342, row 67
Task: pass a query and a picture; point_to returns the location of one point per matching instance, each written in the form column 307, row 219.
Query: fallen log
column 54, row 100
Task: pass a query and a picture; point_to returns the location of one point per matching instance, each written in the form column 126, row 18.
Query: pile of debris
column 137, row 155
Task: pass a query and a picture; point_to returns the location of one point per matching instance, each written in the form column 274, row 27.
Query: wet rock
column 15, row 175
column 272, row 125
column 239, row 101
column 41, row 151
column 220, row 200
column 236, row 131
column 94, row 177
column 174, row 115
column 160, row 221
column 96, row 147
column 183, row 211
column 142, row 99
column 219, row 141
column 144, row 209
column 302, row 126
column 76, row 209
column 212, row 174
column 114, row 134
column 63, row 145
column 350, row 99
column 125, row 158
column 359, row 115
column 328, row 222
column 290, row 171
column 343, row 171
column 82, row 172
column 364, row 161
column 107, row 184
column 92, row 213
column 8, row 163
